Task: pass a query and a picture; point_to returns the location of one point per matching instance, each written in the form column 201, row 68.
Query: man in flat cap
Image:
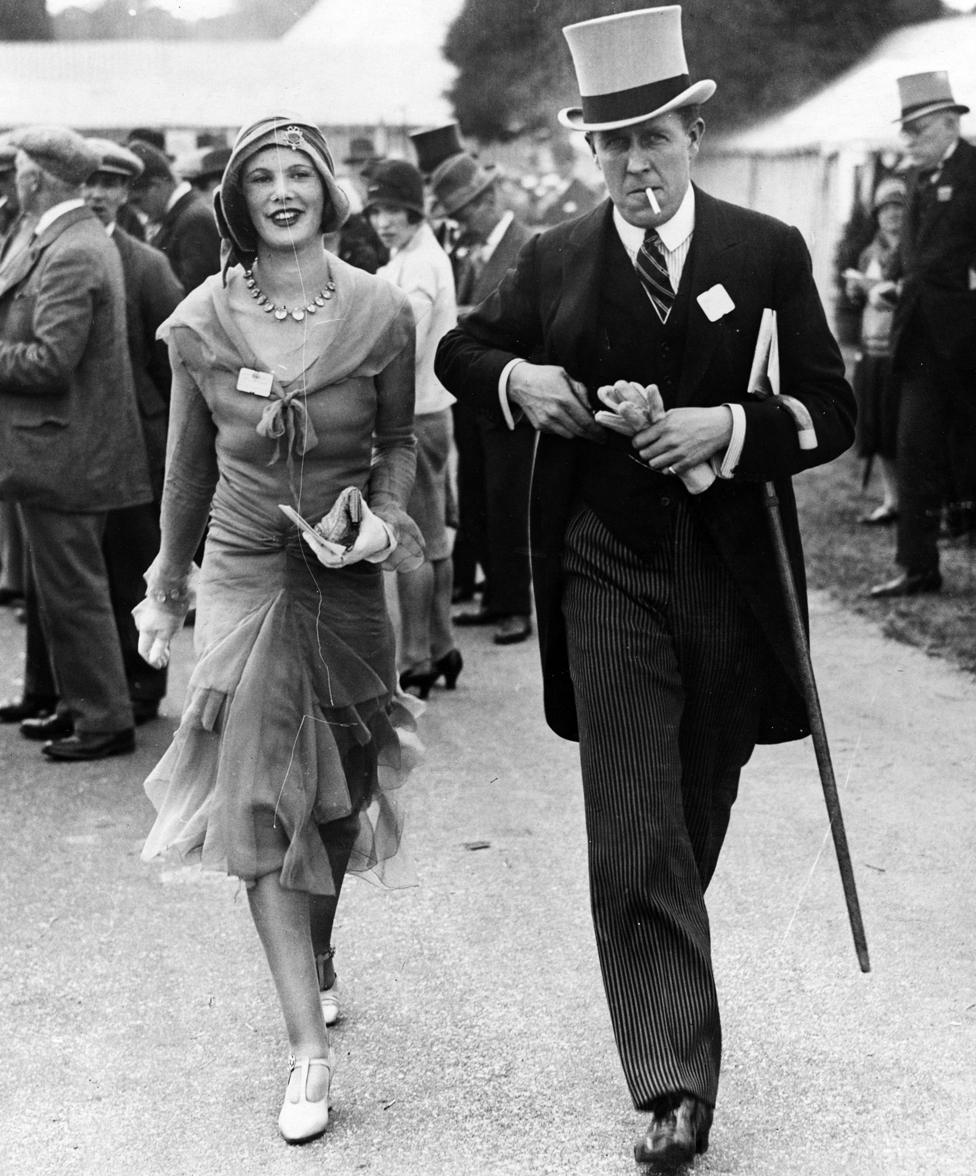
column 934, row 334
column 71, row 440
column 152, row 292
column 185, row 229
column 494, row 461
column 664, row 636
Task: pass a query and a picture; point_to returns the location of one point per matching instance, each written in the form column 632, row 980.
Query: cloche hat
column 926, row 93
column 290, row 132
column 398, row 184
column 630, row 67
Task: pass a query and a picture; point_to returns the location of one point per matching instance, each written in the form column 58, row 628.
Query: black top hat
column 435, row 145
column 361, row 150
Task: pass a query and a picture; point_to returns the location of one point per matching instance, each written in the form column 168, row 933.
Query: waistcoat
column 633, row 502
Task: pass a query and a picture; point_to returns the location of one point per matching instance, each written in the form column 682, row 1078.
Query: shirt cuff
column 726, row 467
column 503, row 392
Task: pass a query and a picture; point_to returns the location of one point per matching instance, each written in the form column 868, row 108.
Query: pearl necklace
column 281, row 313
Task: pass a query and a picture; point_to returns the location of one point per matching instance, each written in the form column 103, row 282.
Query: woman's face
column 285, row 197
column 890, row 217
column 392, row 225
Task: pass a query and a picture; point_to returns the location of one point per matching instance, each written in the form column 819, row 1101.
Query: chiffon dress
column 291, row 719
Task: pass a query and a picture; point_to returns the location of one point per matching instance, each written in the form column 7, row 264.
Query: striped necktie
column 653, row 273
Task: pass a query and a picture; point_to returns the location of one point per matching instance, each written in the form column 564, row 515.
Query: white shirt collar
column 178, row 193
column 496, row 234
column 46, row 219
column 673, row 232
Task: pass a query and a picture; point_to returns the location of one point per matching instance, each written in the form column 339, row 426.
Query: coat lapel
column 15, row 270
column 574, row 326
column 716, row 258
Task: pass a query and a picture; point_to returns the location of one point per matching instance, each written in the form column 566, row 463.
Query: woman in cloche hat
column 292, row 401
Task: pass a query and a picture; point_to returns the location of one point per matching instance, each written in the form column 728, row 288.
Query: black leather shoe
column 29, row 707
column 97, row 745
column 677, row 1133
column 54, row 726
column 144, row 710
column 512, row 630
column 908, row 584
column 481, row 616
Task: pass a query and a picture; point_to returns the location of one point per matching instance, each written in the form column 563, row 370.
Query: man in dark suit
column 664, row 636
column 152, row 292
column 185, row 229
column 494, row 462
column 72, row 446
column 934, row 334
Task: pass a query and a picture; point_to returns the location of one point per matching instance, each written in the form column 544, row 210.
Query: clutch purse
column 340, row 527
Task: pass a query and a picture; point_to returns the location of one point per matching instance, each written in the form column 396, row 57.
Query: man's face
column 656, row 153
column 105, row 193
column 27, row 178
column 478, row 217
column 928, row 138
column 151, row 197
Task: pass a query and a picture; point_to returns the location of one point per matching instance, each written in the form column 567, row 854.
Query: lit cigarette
column 652, row 201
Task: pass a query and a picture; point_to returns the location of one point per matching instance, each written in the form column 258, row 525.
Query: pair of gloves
column 350, row 532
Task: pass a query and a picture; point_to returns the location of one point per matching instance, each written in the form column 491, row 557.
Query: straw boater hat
column 436, row 144
column 630, row 67
column 925, row 93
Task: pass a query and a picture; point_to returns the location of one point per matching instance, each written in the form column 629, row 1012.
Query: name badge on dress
column 943, row 193
column 253, row 382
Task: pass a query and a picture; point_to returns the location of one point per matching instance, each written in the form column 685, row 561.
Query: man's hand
column 883, row 294
column 683, row 437
column 552, row 401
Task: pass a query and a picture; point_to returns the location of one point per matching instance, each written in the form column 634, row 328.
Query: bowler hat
column 458, row 181
column 115, row 159
column 59, row 151
column 630, row 67
column 926, row 93
column 155, row 165
column 435, row 145
column 398, row 184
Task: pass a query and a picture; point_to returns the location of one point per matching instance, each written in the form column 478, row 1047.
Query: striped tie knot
column 653, row 273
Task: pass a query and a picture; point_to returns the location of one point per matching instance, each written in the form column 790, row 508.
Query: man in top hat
column 934, row 334
column 494, row 461
column 664, row 636
column 185, row 229
column 71, row 439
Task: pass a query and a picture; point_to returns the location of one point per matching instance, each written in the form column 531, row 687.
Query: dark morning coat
column 545, row 311
column 71, row 425
column 152, row 293
column 188, row 236
column 938, row 254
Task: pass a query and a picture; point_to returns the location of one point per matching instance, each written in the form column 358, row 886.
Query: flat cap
column 58, row 150
column 116, row 159
column 155, row 165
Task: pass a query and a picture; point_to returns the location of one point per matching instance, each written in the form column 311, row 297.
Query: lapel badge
column 943, row 193
column 715, row 302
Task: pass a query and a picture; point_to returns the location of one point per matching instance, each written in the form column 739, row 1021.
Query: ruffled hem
column 244, row 787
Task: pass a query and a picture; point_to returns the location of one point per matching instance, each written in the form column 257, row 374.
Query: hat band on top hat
column 930, row 105
column 622, row 104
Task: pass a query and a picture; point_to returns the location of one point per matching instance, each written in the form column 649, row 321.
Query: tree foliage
column 24, row 20
column 514, row 68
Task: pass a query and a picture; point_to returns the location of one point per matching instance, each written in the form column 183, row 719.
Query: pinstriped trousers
column 666, row 661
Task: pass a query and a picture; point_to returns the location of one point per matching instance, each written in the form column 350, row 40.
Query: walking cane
column 817, row 729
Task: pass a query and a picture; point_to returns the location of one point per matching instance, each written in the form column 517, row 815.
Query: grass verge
column 846, row 558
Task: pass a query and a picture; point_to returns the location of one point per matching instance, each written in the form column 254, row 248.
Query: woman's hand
column 374, row 542
column 157, row 626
